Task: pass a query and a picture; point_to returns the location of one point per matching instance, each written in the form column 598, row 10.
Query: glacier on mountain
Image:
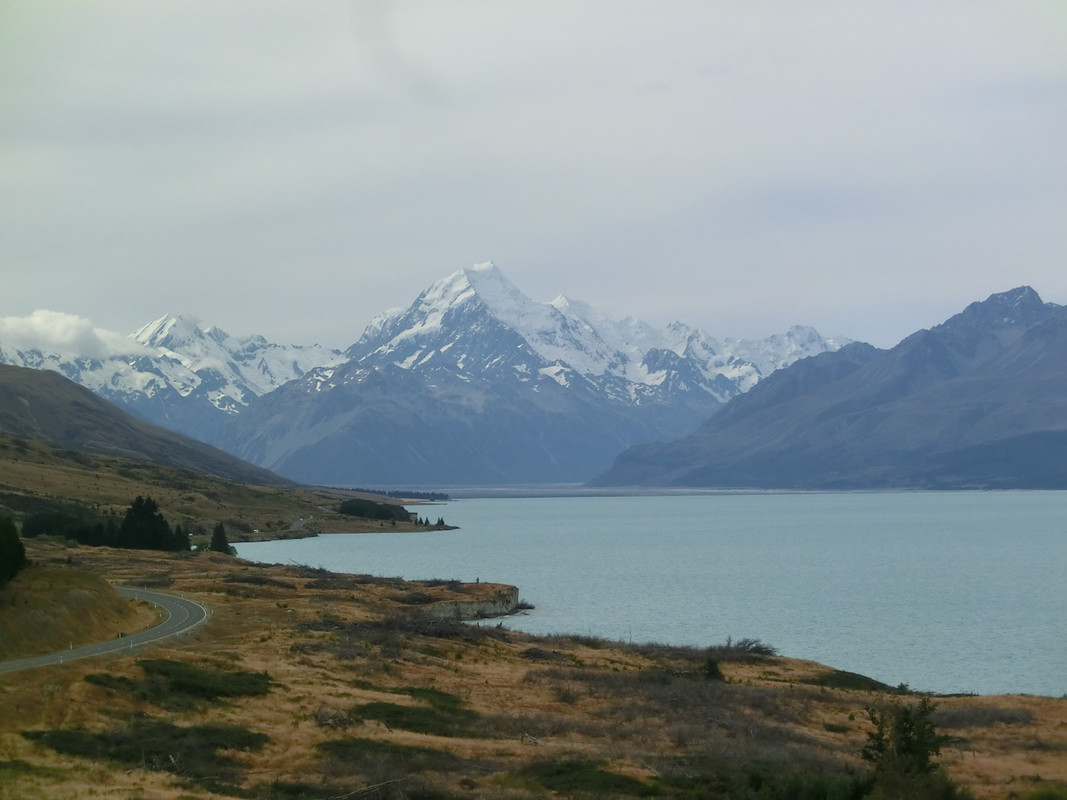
column 474, row 382
column 172, row 372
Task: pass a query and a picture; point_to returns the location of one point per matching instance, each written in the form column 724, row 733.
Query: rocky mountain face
column 977, row 401
column 476, row 384
column 179, row 375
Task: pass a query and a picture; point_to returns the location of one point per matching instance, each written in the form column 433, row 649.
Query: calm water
column 947, row 592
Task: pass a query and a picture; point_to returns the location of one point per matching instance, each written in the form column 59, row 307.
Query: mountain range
column 975, row 402
column 472, row 384
column 178, row 374
column 476, row 384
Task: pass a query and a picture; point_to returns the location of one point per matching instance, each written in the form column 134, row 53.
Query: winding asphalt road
column 182, row 614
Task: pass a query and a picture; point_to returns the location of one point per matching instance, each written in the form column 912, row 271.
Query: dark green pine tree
column 12, row 553
column 145, row 528
column 219, row 542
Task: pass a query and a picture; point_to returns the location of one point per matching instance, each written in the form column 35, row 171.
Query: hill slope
column 48, row 608
column 174, row 372
column 44, row 405
column 977, row 401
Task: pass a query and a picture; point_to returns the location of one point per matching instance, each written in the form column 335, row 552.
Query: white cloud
column 66, row 334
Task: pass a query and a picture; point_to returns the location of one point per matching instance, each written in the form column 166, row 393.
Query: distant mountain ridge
column 178, row 374
column 979, row 401
column 473, row 383
column 476, row 384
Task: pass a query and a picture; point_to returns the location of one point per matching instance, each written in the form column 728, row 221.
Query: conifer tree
column 219, row 542
column 12, row 553
column 145, row 528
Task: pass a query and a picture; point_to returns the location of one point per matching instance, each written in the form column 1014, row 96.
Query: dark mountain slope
column 978, row 401
column 45, row 405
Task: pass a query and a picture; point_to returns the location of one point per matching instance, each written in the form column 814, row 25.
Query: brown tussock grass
column 593, row 701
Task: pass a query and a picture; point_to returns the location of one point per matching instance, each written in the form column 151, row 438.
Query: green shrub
column 361, row 754
column 711, row 670
column 839, row 679
column 161, row 746
column 1050, row 792
column 12, row 553
column 370, row 509
column 581, row 775
column 177, row 685
column 206, row 682
column 444, row 715
column 904, row 739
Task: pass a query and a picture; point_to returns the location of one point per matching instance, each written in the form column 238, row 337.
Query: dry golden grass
column 637, row 710
column 46, row 608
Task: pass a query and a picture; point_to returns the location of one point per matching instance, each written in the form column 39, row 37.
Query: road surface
column 181, row 614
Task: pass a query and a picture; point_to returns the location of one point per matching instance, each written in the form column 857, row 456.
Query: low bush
column 177, row 685
column 568, row 777
column 192, row 752
column 443, row 715
column 354, row 754
column 19, row 768
column 742, row 650
column 207, row 683
column 1050, row 792
column 839, row 679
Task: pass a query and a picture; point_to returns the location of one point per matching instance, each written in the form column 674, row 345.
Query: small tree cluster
column 12, row 553
column 145, row 528
column 902, row 747
column 426, row 522
column 371, row 509
column 904, row 739
column 73, row 523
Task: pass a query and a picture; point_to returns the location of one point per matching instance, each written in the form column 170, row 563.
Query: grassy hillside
column 307, row 684
column 49, row 608
column 44, row 405
column 35, row 476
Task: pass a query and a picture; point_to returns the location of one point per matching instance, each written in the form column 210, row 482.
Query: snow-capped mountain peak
column 476, row 321
column 173, row 371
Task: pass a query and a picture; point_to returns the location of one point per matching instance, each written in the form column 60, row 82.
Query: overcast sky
column 293, row 168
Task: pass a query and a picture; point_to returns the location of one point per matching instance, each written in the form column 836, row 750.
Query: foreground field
column 308, row 684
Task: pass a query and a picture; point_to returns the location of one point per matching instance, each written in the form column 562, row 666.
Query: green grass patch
column 192, row 752
column 377, row 754
column 582, row 775
column 177, row 685
column 16, row 768
column 1049, row 792
column 443, row 715
column 708, row 778
column 839, row 679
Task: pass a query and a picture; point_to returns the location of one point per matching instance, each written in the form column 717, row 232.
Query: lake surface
column 947, row 592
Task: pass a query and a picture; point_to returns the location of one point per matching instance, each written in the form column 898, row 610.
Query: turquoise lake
column 946, row 592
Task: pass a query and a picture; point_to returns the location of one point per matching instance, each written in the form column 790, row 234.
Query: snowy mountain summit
column 476, row 383
column 448, row 325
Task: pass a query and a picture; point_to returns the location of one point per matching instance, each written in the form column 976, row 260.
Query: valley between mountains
column 473, row 384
